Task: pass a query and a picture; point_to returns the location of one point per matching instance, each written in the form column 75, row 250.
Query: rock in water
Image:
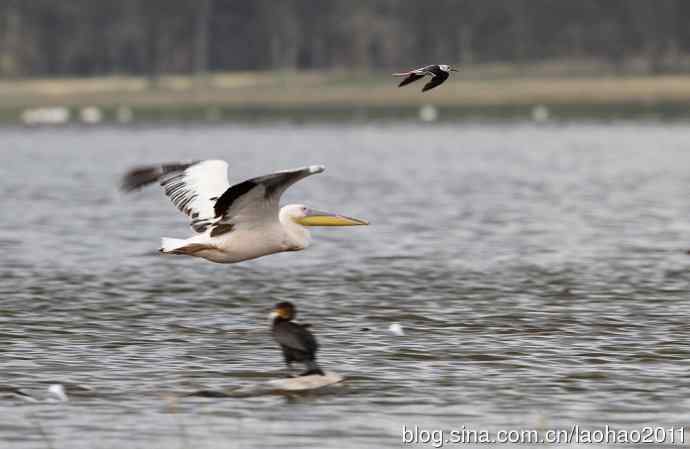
column 303, row 383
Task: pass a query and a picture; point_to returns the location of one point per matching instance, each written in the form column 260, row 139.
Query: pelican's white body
column 245, row 242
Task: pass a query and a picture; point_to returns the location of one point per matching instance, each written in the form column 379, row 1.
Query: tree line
column 151, row 37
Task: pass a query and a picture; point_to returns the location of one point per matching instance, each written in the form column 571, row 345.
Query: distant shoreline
column 340, row 95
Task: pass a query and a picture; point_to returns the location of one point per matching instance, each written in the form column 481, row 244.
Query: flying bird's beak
column 319, row 218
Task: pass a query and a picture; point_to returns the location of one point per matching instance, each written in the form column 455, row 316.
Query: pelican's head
column 296, row 218
column 305, row 216
column 284, row 311
column 448, row 68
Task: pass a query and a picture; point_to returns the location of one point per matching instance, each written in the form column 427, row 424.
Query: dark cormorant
column 297, row 343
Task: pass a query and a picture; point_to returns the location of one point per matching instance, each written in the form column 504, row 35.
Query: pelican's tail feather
column 185, row 247
column 172, row 246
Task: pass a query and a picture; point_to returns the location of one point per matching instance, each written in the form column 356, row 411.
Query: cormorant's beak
column 319, row 218
column 453, row 70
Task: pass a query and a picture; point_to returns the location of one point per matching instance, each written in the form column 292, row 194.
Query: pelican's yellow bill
column 330, row 220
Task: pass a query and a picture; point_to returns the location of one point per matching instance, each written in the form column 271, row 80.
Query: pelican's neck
column 298, row 236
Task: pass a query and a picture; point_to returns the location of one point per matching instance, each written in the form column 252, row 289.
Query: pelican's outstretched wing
column 436, row 81
column 256, row 200
column 192, row 187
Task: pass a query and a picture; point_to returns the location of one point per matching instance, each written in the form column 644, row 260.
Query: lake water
column 540, row 274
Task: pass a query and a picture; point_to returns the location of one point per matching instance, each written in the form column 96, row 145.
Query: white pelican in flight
column 239, row 222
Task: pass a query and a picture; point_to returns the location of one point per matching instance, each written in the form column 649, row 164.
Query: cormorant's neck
column 277, row 320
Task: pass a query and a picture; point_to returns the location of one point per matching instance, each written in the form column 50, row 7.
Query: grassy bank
column 238, row 95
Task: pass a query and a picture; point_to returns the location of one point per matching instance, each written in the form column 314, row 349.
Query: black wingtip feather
column 431, row 84
column 139, row 177
column 412, row 77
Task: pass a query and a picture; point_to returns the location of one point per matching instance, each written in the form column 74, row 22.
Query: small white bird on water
column 239, row 222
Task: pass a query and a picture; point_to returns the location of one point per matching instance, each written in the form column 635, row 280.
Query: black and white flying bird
column 438, row 73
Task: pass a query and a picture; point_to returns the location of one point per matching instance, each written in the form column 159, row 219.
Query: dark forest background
column 151, row 37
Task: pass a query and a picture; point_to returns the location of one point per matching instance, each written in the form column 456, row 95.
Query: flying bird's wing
column 411, row 78
column 192, row 187
column 436, row 81
column 295, row 336
column 414, row 75
column 257, row 200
